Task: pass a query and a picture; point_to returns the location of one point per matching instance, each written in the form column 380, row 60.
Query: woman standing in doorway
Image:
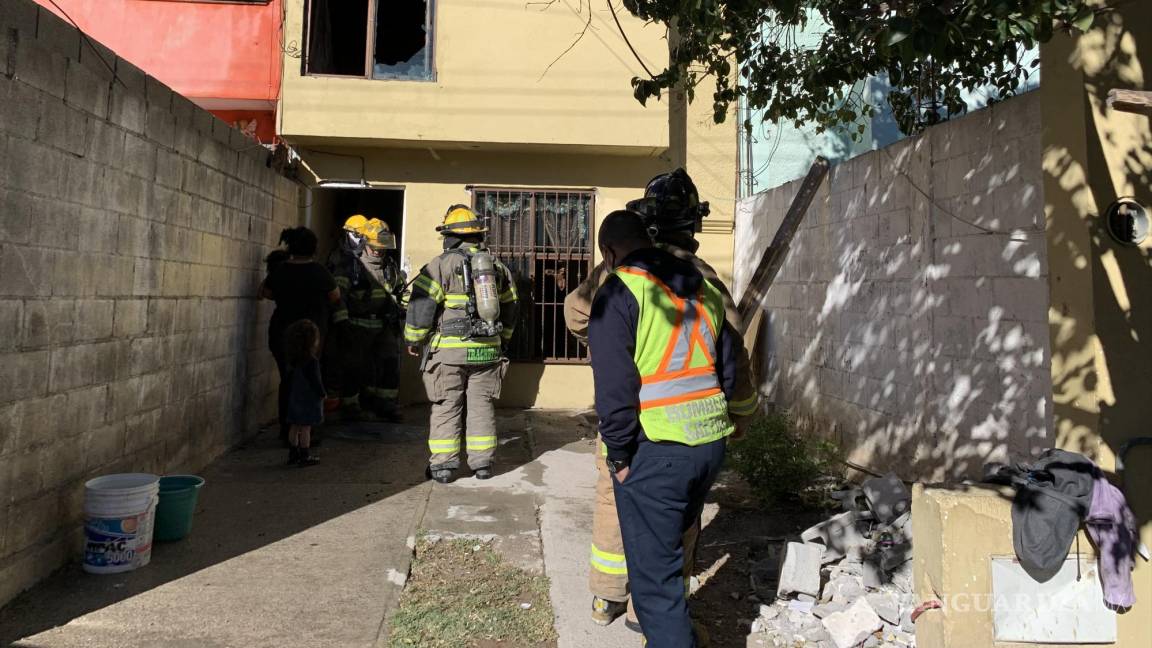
column 302, row 290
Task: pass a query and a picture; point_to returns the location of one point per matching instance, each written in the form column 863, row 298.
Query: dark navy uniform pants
column 660, row 499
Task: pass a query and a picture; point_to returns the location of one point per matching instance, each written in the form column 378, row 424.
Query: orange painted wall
column 203, row 50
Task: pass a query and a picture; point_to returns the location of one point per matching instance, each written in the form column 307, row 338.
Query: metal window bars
column 545, row 239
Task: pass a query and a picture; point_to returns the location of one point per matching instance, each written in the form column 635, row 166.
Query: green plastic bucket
column 178, row 495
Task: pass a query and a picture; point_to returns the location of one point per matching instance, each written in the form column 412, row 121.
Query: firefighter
column 664, row 366
column 364, row 322
column 672, row 211
column 383, row 388
column 461, row 313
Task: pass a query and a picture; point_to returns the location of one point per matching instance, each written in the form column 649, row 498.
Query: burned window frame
column 541, row 335
column 429, row 68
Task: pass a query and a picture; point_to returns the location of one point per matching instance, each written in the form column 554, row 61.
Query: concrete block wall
column 132, row 230
column 910, row 319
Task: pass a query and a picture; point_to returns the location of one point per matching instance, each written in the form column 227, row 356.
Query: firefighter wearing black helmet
column 672, row 210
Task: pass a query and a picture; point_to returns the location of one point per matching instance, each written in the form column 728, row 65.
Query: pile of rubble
column 848, row 583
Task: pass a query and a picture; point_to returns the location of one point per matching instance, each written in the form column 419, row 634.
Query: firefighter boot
column 441, row 473
column 604, row 612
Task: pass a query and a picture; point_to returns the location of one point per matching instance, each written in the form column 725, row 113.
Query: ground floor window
column 545, row 239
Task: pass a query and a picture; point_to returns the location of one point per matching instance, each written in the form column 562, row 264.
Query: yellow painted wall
column 1101, row 292
column 493, row 82
column 432, row 180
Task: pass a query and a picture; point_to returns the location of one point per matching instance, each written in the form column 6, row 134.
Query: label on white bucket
column 117, row 543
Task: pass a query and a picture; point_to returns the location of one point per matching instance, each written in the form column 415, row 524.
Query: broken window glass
column 403, row 47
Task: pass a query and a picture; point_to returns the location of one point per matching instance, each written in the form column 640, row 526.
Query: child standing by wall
column 305, row 390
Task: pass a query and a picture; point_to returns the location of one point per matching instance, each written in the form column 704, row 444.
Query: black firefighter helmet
column 671, row 203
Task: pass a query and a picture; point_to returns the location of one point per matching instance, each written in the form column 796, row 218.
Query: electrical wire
column 626, row 41
column 91, row 43
column 931, row 200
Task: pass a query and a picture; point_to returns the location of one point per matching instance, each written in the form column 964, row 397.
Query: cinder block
column 160, row 126
column 48, row 323
column 25, row 272
column 84, row 183
column 16, row 225
column 147, row 355
column 40, row 170
column 127, row 107
column 56, row 34
column 142, row 431
column 169, row 168
column 852, row 626
column 24, row 570
column 113, row 275
column 127, row 193
column 133, row 236
column 61, row 463
column 147, row 276
column 85, row 410
column 41, row 67
column 800, row 571
column 103, row 446
column 38, row 518
column 23, row 474
column 86, row 89
column 131, row 317
column 94, row 319
column 140, row 157
column 97, row 229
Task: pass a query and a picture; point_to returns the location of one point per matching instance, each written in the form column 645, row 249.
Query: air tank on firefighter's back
column 487, row 287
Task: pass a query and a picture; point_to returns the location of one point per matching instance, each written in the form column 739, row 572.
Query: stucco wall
column 502, row 77
column 1101, row 291
column 132, row 231
column 431, row 183
column 910, row 318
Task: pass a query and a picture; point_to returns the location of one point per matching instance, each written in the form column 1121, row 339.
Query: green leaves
column 929, row 50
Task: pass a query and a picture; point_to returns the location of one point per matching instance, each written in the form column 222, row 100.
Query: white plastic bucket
column 119, row 511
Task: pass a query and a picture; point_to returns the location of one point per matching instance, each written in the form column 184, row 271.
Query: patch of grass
column 781, row 464
column 461, row 594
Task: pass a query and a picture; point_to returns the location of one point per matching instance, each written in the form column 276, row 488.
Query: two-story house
column 522, row 110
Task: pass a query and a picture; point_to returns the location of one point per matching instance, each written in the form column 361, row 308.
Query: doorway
column 333, row 206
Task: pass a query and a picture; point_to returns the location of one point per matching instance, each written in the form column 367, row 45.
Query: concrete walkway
column 318, row 557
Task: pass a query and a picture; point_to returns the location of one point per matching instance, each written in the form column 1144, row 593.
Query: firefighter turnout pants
column 661, row 498
column 463, row 405
column 608, row 575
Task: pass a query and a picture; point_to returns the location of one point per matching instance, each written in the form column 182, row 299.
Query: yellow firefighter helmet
column 378, row 235
column 355, row 224
column 459, row 219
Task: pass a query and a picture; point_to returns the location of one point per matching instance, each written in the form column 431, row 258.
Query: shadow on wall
column 1102, row 319
column 909, row 321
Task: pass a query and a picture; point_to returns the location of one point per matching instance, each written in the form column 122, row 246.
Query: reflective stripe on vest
column 680, row 395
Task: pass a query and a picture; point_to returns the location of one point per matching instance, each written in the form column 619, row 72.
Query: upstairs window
column 377, row 39
column 545, row 239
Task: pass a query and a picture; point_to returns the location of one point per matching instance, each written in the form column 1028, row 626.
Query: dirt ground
column 741, row 533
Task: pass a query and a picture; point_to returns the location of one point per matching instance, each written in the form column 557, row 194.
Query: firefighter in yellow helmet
column 462, row 312
column 362, row 363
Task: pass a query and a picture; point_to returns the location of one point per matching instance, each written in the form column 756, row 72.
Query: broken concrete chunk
column 854, row 625
column 843, row 589
column 839, row 535
column 824, row 609
column 886, row 605
column 769, row 612
column 800, row 572
column 887, row 497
